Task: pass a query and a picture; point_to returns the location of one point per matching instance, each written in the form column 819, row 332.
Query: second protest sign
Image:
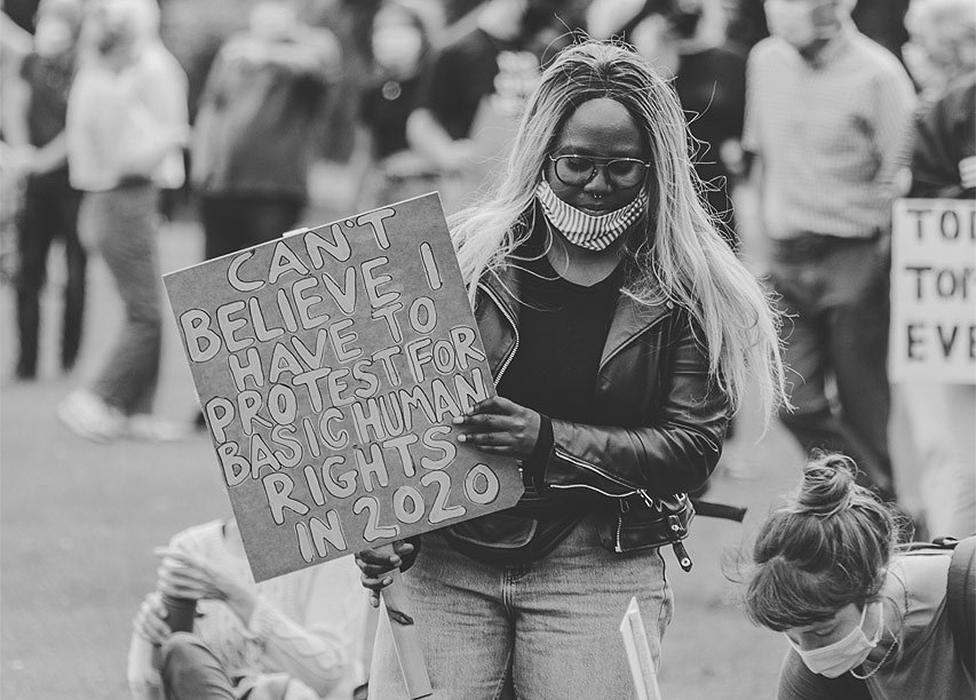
column 330, row 365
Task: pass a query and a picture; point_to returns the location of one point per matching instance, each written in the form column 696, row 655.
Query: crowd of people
column 590, row 156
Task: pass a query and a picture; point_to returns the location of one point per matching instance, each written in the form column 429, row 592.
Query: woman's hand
column 500, row 426
column 150, row 619
column 376, row 566
column 182, row 575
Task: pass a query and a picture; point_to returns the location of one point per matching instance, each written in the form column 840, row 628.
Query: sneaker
column 88, row 416
column 143, row 426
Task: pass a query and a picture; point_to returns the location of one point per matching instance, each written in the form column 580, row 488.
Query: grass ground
column 79, row 522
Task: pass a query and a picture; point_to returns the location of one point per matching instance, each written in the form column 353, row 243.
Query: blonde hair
column 677, row 256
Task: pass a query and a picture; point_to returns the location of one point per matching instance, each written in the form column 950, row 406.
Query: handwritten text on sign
column 933, row 291
column 330, row 365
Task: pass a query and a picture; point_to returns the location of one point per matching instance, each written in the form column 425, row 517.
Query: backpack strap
column 961, row 601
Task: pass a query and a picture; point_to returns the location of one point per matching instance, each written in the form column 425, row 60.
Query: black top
column 384, row 109
column 562, row 330
column 49, row 80
column 474, row 67
column 711, row 86
column 945, row 134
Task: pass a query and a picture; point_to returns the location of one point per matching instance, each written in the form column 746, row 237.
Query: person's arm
column 316, row 656
column 149, row 630
column 158, row 117
column 426, row 136
column 317, row 56
column 445, row 90
column 894, row 108
column 676, row 453
column 321, row 651
column 313, row 54
column 15, row 104
column 937, row 154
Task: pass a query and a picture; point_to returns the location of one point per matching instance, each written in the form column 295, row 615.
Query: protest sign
column 933, row 291
column 329, row 365
column 642, row 670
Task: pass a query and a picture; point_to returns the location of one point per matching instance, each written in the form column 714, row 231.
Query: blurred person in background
column 384, row 167
column 942, row 58
column 864, row 618
column 126, row 128
column 711, row 86
column 300, row 636
column 880, row 20
column 941, row 46
column 257, row 127
column 35, row 105
column 476, row 87
column 827, row 114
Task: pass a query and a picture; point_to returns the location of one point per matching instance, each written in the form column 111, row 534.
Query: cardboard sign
column 933, row 291
column 642, row 670
column 330, row 365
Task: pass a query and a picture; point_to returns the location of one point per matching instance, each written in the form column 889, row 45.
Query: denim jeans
column 835, row 292
column 50, row 211
column 544, row 630
column 121, row 224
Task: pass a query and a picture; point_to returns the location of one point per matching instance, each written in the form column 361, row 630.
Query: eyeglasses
column 576, row 171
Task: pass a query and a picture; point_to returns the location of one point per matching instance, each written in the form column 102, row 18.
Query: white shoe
column 143, row 426
column 88, row 416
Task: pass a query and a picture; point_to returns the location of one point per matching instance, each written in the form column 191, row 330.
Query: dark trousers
column 234, row 222
column 50, row 211
column 121, row 224
column 190, row 671
column 835, row 292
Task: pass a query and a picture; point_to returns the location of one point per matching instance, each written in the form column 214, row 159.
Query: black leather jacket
column 666, row 421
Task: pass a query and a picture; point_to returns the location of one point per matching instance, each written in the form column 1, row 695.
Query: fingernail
column 387, row 581
column 462, row 438
column 458, row 420
column 395, row 561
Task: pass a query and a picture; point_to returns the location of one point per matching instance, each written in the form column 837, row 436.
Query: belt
column 817, row 245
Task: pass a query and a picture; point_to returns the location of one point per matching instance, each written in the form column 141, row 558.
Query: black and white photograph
column 487, row 349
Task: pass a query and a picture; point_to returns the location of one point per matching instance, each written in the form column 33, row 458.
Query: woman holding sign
column 621, row 331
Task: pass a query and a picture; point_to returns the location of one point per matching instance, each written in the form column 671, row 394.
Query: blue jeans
column 121, row 225
column 544, row 630
column 835, row 291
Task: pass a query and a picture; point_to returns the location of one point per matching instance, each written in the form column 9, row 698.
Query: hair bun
column 828, row 485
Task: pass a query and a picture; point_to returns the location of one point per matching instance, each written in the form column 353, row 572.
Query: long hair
column 677, row 255
column 828, row 546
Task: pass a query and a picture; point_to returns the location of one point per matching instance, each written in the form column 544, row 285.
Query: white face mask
column 593, row 232
column 800, row 22
column 397, row 48
column 840, row 657
column 52, row 37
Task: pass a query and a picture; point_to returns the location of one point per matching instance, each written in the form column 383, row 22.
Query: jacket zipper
column 511, row 321
column 566, row 487
column 620, row 524
column 573, row 459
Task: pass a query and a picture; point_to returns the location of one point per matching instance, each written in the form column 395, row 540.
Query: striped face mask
column 589, row 231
